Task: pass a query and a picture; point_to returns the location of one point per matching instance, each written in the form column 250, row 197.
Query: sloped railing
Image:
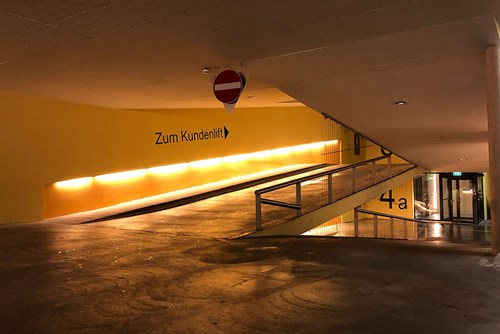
column 386, row 226
column 353, row 178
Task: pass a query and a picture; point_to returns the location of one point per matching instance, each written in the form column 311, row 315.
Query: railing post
column 354, row 183
column 356, row 220
column 375, row 226
column 389, row 164
column 330, row 189
column 258, row 213
column 298, row 198
column 391, row 227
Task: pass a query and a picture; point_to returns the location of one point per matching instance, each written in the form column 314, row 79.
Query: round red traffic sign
column 228, row 86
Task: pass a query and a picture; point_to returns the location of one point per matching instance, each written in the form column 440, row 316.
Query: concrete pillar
column 493, row 103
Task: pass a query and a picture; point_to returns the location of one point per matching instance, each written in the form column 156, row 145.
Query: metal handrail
column 391, row 222
column 424, row 223
column 320, row 174
column 397, row 217
column 297, row 182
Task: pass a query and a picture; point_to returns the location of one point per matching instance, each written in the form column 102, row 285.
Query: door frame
column 454, row 180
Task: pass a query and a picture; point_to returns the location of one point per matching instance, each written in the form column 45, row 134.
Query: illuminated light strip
column 240, row 157
column 299, row 148
column 291, row 149
column 168, row 169
column 205, row 163
column 74, row 183
column 281, row 151
column 260, row 155
column 237, row 158
column 121, row 176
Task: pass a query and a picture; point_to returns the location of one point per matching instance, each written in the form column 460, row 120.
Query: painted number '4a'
column 402, row 204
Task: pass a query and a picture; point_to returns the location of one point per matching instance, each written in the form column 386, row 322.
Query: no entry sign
column 228, row 86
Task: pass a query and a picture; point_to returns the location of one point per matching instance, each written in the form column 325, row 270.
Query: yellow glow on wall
column 102, row 190
column 167, row 169
column 261, row 154
column 286, row 150
column 205, row 163
column 237, row 158
column 299, row 148
column 240, row 157
column 121, row 176
column 291, row 149
column 74, row 183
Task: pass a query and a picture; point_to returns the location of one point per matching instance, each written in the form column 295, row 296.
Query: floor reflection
column 459, row 232
column 401, row 229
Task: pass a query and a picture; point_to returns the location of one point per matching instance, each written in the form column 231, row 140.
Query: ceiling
column 349, row 59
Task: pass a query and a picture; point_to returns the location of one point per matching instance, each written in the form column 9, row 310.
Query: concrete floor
column 179, row 271
column 96, row 278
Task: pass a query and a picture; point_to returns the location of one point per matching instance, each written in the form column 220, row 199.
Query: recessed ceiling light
column 439, row 138
column 401, row 103
column 463, row 159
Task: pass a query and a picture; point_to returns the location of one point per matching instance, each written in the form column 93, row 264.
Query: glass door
column 460, row 200
column 463, row 204
column 479, row 201
column 445, row 198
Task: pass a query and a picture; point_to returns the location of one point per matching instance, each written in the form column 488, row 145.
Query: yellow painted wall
column 368, row 149
column 44, row 141
column 331, row 130
column 404, row 191
column 347, row 141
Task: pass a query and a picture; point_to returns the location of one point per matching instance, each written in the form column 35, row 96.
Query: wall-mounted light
column 128, row 175
column 205, row 163
column 121, row 176
column 168, row 169
column 74, row 183
column 236, row 158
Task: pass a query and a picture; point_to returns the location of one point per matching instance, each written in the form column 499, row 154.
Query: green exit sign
column 457, row 173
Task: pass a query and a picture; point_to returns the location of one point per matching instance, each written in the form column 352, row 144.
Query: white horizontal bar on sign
column 227, row 86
